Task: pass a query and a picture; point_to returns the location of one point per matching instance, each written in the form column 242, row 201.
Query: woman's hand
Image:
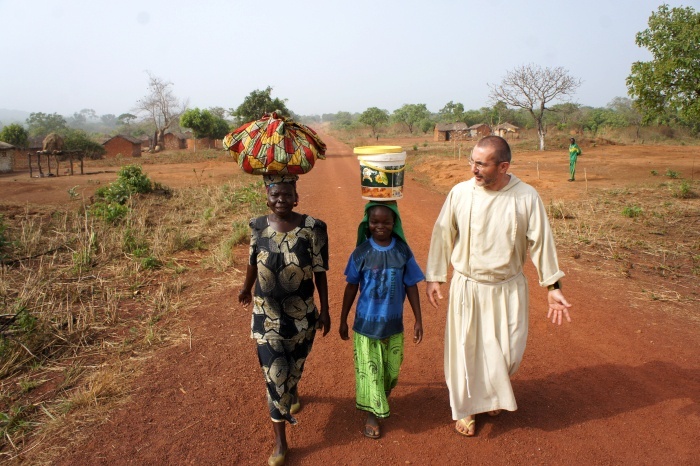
column 245, row 297
column 324, row 322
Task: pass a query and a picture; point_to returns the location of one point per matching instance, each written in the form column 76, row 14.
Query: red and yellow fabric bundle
column 275, row 145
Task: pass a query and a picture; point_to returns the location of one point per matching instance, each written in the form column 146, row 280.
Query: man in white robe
column 484, row 230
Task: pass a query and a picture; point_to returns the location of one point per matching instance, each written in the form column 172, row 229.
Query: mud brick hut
column 450, row 131
column 507, row 131
column 6, row 157
column 176, row 141
column 479, row 130
column 124, row 145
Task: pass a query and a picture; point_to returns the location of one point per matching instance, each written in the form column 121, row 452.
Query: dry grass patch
column 84, row 297
column 644, row 233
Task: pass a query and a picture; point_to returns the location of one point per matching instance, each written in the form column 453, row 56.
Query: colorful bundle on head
column 275, row 145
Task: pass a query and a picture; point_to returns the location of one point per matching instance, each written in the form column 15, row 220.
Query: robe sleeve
column 543, row 251
column 442, row 242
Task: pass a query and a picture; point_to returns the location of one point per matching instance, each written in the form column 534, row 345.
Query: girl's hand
column 417, row 332
column 245, row 297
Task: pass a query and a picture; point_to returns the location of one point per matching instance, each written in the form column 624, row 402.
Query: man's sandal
column 469, row 427
column 277, row 460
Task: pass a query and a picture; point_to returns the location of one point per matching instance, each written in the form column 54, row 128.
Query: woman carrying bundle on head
column 288, row 263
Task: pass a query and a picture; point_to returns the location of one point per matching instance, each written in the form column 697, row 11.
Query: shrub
column 672, row 174
column 632, row 211
column 130, row 180
column 111, row 212
column 683, row 190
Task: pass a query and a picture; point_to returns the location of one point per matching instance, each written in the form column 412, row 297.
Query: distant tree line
column 663, row 91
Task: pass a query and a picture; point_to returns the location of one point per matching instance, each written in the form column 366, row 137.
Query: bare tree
column 532, row 87
column 160, row 106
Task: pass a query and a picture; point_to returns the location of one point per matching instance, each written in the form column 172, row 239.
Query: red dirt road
column 619, row 385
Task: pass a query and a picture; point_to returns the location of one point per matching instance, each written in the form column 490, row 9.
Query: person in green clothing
column 574, row 152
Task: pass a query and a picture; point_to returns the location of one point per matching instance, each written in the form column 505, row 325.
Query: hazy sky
column 323, row 56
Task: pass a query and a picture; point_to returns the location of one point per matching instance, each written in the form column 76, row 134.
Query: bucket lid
column 375, row 150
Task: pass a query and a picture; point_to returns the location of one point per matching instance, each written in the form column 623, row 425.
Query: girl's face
column 381, row 224
column 281, row 198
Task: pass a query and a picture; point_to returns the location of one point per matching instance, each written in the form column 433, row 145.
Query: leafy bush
column 672, row 174
column 111, row 198
column 150, row 263
column 632, row 211
column 130, row 180
column 683, row 190
column 111, row 212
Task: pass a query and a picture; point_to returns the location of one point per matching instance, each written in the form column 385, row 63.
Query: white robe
column 485, row 235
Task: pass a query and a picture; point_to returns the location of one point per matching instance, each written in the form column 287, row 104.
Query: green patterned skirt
column 377, row 365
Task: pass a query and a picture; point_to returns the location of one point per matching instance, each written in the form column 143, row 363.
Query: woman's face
column 281, row 198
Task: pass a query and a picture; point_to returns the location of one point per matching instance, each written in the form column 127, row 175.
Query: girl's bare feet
column 372, row 427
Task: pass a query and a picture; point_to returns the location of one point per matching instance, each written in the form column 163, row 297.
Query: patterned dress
column 284, row 313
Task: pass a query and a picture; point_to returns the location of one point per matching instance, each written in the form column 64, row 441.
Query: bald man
column 484, row 230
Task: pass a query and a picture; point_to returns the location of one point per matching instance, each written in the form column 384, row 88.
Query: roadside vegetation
column 90, row 289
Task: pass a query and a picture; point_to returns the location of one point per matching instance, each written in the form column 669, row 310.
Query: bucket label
column 376, row 179
column 382, row 184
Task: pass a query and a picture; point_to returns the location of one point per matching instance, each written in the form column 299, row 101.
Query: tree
column 628, row 111
column 220, row 128
column 374, row 118
column 218, row 111
column 126, row 119
column 451, row 112
column 343, row 120
column 411, row 114
column 532, row 87
column 109, row 120
column 257, row 104
column 15, row 134
column 204, row 123
column 160, row 106
column 670, row 83
column 40, row 124
column 76, row 139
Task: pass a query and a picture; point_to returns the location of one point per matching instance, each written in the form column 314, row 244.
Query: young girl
column 288, row 262
column 385, row 271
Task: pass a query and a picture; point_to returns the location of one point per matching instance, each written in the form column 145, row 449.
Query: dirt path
column 618, row 386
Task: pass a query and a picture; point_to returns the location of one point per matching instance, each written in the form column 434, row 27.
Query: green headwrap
column 363, row 229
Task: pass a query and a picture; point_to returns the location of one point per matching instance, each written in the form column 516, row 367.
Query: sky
column 322, row 56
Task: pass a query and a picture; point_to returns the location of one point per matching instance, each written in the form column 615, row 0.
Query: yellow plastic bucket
column 381, row 172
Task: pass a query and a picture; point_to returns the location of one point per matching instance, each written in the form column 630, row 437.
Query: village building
column 124, row 145
column 6, row 157
column 479, row 130
column 450, row 131
column 507, row 131
column 176, row 141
